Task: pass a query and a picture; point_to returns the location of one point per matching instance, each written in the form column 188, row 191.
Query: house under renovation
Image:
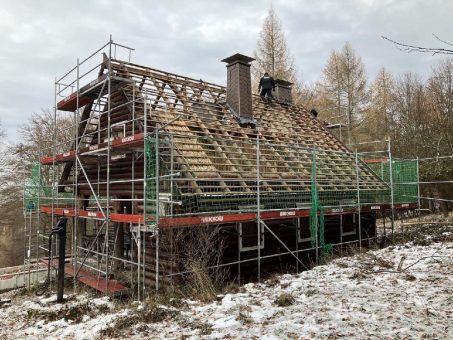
column 151, row 152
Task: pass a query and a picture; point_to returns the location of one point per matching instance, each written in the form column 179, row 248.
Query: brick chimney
column 282, row 91
column 239, row 90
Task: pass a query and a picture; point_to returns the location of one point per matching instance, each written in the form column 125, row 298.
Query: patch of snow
column 355, row 297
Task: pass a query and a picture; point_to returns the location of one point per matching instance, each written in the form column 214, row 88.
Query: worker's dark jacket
column 266, row 83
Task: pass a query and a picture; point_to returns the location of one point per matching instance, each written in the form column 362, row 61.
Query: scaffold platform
column 99, row 283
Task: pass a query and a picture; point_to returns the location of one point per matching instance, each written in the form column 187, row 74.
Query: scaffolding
column 149, row 151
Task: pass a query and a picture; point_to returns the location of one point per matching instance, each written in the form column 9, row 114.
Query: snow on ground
column 400, row 292
column 81, row 316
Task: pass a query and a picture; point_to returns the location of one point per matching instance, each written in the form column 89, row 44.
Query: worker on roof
column 266, row 86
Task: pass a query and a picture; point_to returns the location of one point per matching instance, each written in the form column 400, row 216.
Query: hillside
column 402, row 291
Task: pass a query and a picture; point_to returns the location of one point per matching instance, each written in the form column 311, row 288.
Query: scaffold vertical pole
column 157, row 207
column 239, row 251
column 24, row 190
column 359, row 208
column 38, row 216
column 341, row 230
column 145, row 193
column 418, row 189
column 109, row 144
column 314, row 202
column 297, row 244
column 75, row 179
column 258, row 203
column 139, row 250
column 391, row 190
column 131, row 238
column 54, row 152
column 172, row 169
column 133, row 109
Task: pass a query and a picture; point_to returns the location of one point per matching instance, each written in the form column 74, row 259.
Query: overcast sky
column 40, row 40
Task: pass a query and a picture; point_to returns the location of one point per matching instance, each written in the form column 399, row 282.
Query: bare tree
column 38, row 133
column 344, row 85
column 11, row 231
column 332, row 89
column 4, row 168
column 378, row 118
column 306, row 95
column 272, row 54
column 10, row 185
column 37, row 136
column 439, row 91
column 412, row 133
column 16, row 163
column 355, row 84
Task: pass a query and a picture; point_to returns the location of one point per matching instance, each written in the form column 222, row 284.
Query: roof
column 215, row 157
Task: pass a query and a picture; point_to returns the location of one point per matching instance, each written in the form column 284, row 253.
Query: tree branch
column 443, row 41
column 412, row 48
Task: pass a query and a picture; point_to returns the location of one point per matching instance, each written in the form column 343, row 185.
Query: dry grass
column 74, row 312
column 198, row 253
column 284, row 300
column 151, row 312
column 425, row 234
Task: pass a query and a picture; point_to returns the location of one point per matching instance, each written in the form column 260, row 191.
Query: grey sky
column 42, row 39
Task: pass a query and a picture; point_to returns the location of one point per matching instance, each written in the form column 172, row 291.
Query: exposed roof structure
column 214, row 155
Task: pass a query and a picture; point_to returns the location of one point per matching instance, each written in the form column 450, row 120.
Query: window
column 304, row 229
column 348, row 224
column 248, row 236
column 118, row 130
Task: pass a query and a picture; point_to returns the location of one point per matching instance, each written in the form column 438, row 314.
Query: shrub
column 284, row 300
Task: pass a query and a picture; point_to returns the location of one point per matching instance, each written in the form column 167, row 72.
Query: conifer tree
column 272, row 53
column 344, row 86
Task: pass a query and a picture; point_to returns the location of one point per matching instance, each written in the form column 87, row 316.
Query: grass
column 284, row 300
column 74, row 313
column 151, row 312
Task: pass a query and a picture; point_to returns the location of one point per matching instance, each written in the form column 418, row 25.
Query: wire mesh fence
column 436, row 183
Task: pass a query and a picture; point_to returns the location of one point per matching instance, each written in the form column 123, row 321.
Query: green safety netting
column 317, row 224
column 32, row 188
column 38, row 190
column 404, row 178
column 150, row 160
